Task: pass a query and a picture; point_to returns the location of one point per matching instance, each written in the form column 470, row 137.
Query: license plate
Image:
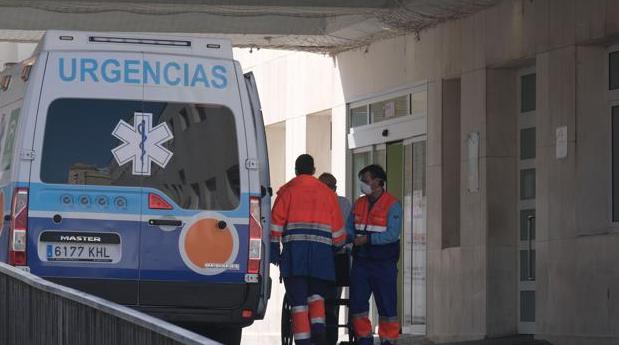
column 69, row 246
column 78, row 252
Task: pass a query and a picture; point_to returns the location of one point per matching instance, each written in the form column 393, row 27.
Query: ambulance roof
column 56, row 40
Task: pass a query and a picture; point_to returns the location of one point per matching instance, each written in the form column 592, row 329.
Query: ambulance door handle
column 165, row 222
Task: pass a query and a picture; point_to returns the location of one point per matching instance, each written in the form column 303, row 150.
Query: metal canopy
column 309, row 25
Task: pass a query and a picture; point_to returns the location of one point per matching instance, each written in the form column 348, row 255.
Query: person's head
column 372, row 179
column 304, row 165
column 329, row 180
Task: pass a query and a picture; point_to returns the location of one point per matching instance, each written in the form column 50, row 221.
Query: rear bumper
column 213, row 303
column 202, row 316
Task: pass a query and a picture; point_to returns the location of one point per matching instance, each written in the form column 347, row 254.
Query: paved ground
column 517, row 340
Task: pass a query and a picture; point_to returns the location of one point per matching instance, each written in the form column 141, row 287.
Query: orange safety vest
column 375, row 220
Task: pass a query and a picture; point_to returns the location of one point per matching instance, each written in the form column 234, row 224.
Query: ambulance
column 134, row 167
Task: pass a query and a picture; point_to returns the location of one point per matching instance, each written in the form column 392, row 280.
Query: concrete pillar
column 457, row 275
column 557, row 257
column 338, row 147
column 318, row 141
column 501, row 202
column 276, row 142
column 295, row 143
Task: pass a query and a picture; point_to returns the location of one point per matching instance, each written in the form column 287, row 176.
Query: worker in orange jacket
column 306, row 218
column 374, row 229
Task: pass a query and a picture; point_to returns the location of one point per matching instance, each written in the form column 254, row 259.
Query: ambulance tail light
column 255, row 236
column 18, row 228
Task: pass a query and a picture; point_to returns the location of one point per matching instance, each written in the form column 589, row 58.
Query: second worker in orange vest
column 306, row 218
column 374, row 228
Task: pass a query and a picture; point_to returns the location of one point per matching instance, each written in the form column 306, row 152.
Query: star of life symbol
column 142, row 144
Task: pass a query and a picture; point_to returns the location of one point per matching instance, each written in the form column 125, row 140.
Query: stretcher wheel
column 287, row 335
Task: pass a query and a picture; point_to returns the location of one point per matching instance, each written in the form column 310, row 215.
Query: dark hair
column 304, row 165
column 376, row 171
column 329, row 180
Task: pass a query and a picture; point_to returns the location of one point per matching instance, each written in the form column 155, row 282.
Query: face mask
column 365, row 188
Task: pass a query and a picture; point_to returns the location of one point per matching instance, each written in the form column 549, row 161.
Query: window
column 527, row 93
column 527, row 223
column 391, row 108
column 527, row 306
column 613, row 70
column 415, row 103
column 359, row 161
column 615, row 162
column 527, row 184
column 203, row 172
column 7, row 151
column 8, row 127
column 527, row 143
column 359, row 116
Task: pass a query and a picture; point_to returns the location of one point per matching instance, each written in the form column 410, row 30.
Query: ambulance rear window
column 187, row 151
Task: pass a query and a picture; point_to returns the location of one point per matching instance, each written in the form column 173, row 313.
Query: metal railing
column 34, row 311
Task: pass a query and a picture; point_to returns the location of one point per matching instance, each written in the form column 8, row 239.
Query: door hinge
column 251, row 164
column 27, row 155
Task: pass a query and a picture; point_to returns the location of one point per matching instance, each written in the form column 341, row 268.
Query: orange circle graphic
column 206, row 243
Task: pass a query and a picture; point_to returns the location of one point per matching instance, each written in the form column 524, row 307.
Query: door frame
column 525, row 120
column 367, row 138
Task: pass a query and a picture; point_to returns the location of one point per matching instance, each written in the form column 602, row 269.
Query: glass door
column 413, row 240
column 360, row 158
column 395, row 186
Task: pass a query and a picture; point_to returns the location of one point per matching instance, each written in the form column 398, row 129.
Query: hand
column 274, row 254
column 360, row 241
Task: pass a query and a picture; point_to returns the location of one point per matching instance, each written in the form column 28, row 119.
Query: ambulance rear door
column 265, row 180
column 85, row 207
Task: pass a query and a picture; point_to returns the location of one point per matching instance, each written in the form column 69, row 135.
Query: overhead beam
column 312, row 25
column 243, row 3
column 34, row 19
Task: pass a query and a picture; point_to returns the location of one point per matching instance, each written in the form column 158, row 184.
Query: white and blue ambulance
column 134, row 167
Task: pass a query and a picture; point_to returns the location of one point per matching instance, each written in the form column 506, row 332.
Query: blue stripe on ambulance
column 47, row 199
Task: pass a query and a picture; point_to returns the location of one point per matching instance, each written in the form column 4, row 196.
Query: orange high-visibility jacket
column 382, row 224
column 306, row 218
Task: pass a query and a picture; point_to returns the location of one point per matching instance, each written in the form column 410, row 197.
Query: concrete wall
column 318, row 140
column 501, row 202
column 276, row 143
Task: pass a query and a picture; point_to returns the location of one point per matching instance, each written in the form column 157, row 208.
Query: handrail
column 36, row 311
